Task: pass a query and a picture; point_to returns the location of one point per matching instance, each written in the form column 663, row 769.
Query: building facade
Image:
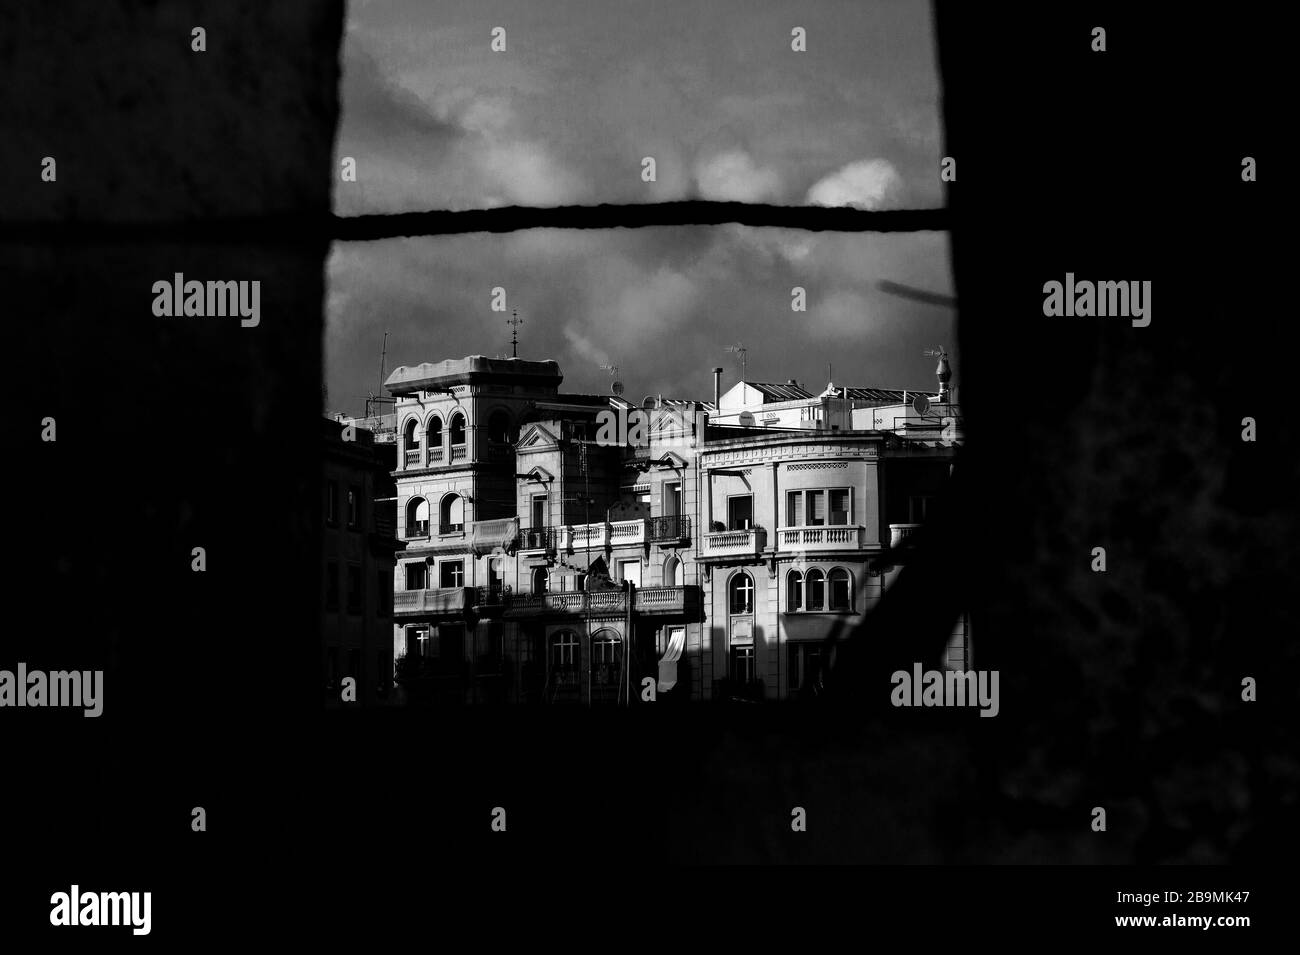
column 584, row 549
column 359, row 541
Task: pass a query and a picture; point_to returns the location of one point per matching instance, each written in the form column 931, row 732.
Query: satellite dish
column 617, row 388
column 746, row 419
column 921, row 404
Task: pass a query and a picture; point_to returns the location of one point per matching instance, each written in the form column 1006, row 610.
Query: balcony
column 833, row 537
column 459, row 452
column 674, row 601
column 666, row 601
column 440, row 602
column 670, row 530
column 901, row 532
column 417, row 530
column 571, row 604
column 445, row 529
column 622, row 533
column 588, row 536
column 412, row 457
column 535, row 538
column 490, row 599
column 566, row 677
column 724, row 544
column 436, row 455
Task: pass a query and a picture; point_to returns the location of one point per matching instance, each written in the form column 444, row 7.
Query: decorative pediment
column 537, row 438
column 540, row 474
column 670, row 459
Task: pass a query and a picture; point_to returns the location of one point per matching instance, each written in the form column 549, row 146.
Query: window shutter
column 840, row 506
column 816, row 507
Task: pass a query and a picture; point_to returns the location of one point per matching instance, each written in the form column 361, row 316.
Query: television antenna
column 373, row 398
column 739, row 349
column 616, row 386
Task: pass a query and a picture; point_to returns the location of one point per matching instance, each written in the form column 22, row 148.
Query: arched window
column 672, row 572
column 412, row 435
column 457, row 429
column 815, row 590
column 793, row 591
column 742, row 594
column 564, row 651
column 841, row 588
column 499, row 431
column 434, row 432
column 606, row 657
column 451, row 518
column 541, row 580
column 417, row 517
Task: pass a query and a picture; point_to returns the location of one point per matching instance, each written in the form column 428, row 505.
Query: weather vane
column 515, row 321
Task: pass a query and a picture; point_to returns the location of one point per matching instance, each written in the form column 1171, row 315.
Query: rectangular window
column 355, row 596
column 332, row 585
column 794, row 509
column 917, row 505
column 841, row 505
column 451, row 573
column 630, row 570
column 666, row 637
column 673, row 499
column 354, row 507
column 740, row 513
column 539, row 510
column 816, row 508
column 332, row 503
column 742, row 664
column 417, row 642
column 417, row 575
column 812, row 666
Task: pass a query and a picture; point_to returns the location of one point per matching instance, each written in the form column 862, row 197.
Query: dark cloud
column 663, row 304
column 586, row 89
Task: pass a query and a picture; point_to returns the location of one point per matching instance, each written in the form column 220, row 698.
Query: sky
column 584, row 90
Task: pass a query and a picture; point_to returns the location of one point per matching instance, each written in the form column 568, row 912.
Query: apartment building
column 359, row 540
column 577, row 548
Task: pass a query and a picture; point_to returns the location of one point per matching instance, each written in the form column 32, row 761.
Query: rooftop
column 473, row 369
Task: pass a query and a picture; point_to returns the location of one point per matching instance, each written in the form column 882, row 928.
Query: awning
column 493, row 537
column 668, row 663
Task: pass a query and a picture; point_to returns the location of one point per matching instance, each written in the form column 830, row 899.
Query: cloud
column 864, row 184
column 524, row 173
column 841, row 313
column 734, row 177
column 584, row 347
column 659, row 303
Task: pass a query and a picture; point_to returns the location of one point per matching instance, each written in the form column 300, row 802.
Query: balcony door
column 672, row 499
column 740, row 513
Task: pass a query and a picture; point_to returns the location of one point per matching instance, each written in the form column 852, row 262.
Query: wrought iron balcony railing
column 674, row 528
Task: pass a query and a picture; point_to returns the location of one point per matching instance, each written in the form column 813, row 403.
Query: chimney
column 944, row 374
column 717, row 386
